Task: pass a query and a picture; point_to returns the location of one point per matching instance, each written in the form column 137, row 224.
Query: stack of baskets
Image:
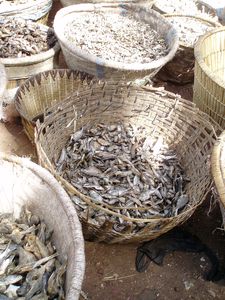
column 178, row 122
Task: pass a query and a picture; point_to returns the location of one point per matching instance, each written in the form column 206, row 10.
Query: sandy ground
column 110, row 269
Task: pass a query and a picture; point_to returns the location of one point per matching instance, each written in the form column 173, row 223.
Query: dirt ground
column 110, row 269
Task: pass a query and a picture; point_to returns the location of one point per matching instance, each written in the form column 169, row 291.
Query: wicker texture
column 77, row 59
column 24, row 183
column 19, row 69
column 42, row 91
column 182, row 127
column 218, row 170
column 181, row 68
column 209, row 84
column 205, row 7
column 36, row 11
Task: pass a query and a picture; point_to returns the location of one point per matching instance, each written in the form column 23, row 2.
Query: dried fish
column 19, row 38
column 27, row 266
column 116, row 37
column 146, row 183
column 189, row 29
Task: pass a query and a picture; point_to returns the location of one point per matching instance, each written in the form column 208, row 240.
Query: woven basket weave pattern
column 43, row 90
column 209, row 83
column 184, row 129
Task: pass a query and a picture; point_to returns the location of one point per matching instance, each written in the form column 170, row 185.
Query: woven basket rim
column 25, row 85
column 35, row 58
column 218, row 167
column 72, row 9
column 15, row 8
column 77, row 238
column 198, row 56
column 203, row 20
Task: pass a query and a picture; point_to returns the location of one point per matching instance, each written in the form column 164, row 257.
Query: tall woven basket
column 209, row 84
column 173, row 119
column 180, row 69
column 25, row 184
column 78, row 59
column 42, row 91
column 31, row 10
column 218, row 170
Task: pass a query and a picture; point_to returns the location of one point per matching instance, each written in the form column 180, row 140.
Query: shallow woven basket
column 78, row 59
column 36, row 11
column 23, row 183
column 202, row 6
column 209, row 84
column 42, row 91
column 182, row 127
column 19, row 69
column 181, row 68
column 218, row 171
column 72, row 2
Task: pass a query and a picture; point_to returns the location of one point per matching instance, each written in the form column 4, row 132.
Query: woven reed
column 205, row 7
column 181, row 68
column 183, row 127
column 209, row 83
column 218, row 170
column 24, row 183
column 37, row 11
column 77, row 59
column 43, row 90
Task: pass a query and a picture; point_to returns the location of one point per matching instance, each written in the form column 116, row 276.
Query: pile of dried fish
column 189, row 29
column 29, row 268
column 117, row 165
column 187, row 7
column 19, row 38
column 116, row 37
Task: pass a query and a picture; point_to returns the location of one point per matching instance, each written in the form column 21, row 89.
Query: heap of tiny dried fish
column 29, row 268
column 19, row 38
column 117, row 165
column 189, row 29
column 116, row 37
column 187, row 7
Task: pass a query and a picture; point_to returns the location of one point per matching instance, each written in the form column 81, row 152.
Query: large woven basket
column 202, row 6
column 78, row 59
column 42, row 91
column 19, row 69
column 218, row 170
column 23, row 183
column 209, row 83
column 72, row 2
column 184, row 128
column 31, row 10
column 181, row 68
